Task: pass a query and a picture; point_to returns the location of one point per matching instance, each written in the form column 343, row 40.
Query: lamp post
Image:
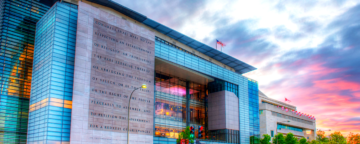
column 128, row 128
column 277, row 139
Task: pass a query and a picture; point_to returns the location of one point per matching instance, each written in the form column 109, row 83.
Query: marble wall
column 113, row 56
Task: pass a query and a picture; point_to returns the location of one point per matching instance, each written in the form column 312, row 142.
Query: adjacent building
column 279, row 117
column 68, row 69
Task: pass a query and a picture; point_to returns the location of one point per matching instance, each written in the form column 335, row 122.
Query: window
column 272, row 133
column 261, row 112
column 280, row 126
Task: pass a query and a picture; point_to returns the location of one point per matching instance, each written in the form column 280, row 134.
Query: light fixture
column 143, row 86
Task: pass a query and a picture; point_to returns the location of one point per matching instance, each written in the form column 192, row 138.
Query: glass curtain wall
column 220, row 85
column 280, row 126
column 170, row 107
column 52, row 85
column 254, row 128
column 224, row 135
column 197, row 101
column 17, row 31
column 170, row 52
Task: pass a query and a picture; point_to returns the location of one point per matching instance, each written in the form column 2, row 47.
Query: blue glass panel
column 53, row 75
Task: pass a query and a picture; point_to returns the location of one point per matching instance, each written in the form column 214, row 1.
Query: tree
column 266, row 139
column 180, row 137
column 353, row 138
column 254, row 139
column 303, row 141
column 314, row 142
column 279, row 139
column 185, row 135
column 337, row 138
column 290, row 139
column 320, row 136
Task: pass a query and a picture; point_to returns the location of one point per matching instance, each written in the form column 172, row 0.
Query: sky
column 307, row 51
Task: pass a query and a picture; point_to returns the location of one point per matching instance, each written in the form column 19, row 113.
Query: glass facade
column 224, row 135
column 281, row 126
column 17, row 31
column 52, row 85
column 254, row 121
column 247, row 89
column 177, row 55
column 44, row 64
column 175, row 97
column 244, row 116
column 220, row 85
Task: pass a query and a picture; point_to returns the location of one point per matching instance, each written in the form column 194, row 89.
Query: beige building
column 275, row 119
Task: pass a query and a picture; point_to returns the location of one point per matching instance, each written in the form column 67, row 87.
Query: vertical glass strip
column 52, row 86
column 17, row 29
column 253, row 92
column 244, row 111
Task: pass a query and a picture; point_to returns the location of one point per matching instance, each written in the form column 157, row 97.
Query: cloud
column 170, row 13
column 324, row 80
column 307, row 51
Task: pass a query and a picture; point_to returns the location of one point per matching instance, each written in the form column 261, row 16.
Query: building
column 69, row 68
column 279, row 117
column 17, row 32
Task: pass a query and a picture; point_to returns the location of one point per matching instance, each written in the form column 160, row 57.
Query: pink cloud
column 337, row 84
column 323, row 99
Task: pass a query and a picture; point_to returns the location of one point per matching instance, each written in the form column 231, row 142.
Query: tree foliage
column 303, row 141
column 353, row 138
column 185, row 135
column 337, row 138
column 279, row 139
column 254, row 140
column 290, row 139
column 266, row 139
column 320, row 137
column 314, row 142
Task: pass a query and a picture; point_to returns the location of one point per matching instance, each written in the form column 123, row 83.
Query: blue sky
column 307, row 51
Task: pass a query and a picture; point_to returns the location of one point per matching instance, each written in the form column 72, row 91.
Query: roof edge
column 239, row 66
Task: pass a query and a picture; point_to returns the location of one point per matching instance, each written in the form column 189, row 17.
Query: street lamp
column 128, row 128
column 277, row 139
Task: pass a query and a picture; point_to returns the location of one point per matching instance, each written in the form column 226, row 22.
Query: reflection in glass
column 170, row 105
column 17, row 30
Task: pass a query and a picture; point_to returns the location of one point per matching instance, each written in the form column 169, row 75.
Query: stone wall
column 223, row 111
column 113, row 56
column 268, row 122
